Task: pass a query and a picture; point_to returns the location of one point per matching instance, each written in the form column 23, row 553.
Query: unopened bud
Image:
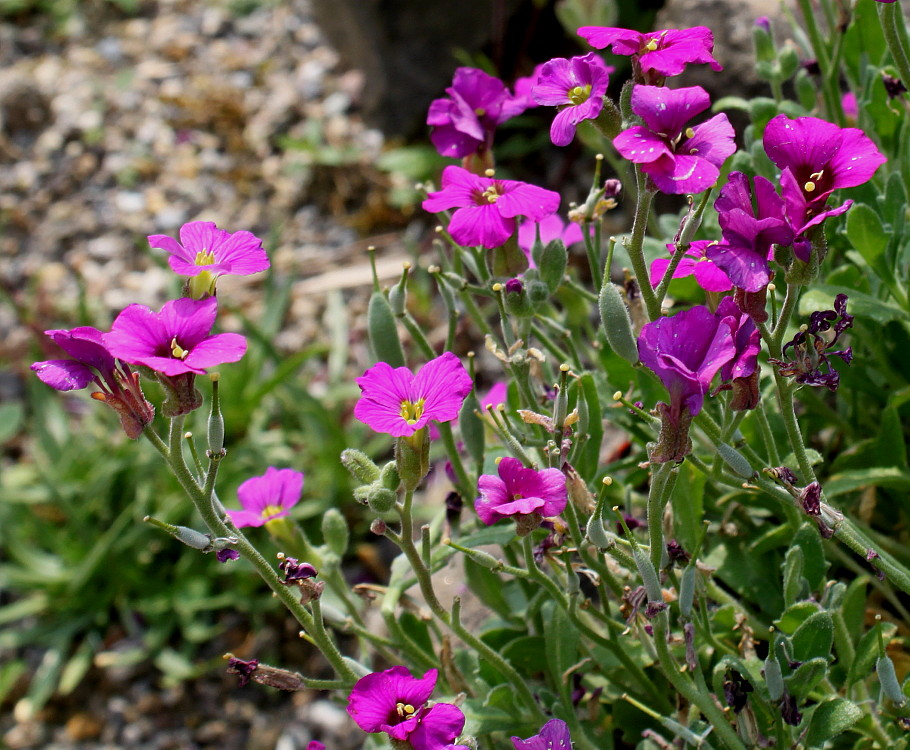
column 335, row 531
column 389, row 478
column 648, row 575
column 378, row 526
column 687, row 591
column 884, row 667
column 617, row 323
column 361, row 467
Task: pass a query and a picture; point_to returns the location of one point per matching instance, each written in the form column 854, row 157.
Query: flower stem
column 889, row 15
column 661, row 488
column 635, row 248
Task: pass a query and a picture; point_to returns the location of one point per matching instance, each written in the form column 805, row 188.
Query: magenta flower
column 685, row 351
column 267, row 497
column 175, row 341
column 740, row 373
column 656, row 54
column 707, row 275
column 523, row 87
column 464, row 122
column 204, row 247
column 498, row 394
column 394, row 702
column 578, row 86
column 399, row 403
column 749, row 233
column 487, row 207
column 552, row 227
column 676, row 160
column 518, row 491
column 554, row 735
column 816, row 158
column 92, row 363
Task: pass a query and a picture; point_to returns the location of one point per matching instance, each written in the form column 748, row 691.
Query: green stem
column 765, row 427
column 889, row 15
column 703, row 701
column 425, row 582
column 635, row 249
column 661, row 487
column 783, row 320
column 692, row 222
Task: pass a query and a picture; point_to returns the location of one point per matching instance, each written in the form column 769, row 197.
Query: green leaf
column 863, row 38
column 561, row 641
column 11, row 416
column 488, row 587
column 853, row 607
column 794, row 616
column 830, row 719
column 866, row 232
column 793, row 575
column 880, row 476
column 687, row 516
column 859, row 304
column 806, row 676
column 527, row 654
column 814, row 637
column 418, row 631
column 814, row 562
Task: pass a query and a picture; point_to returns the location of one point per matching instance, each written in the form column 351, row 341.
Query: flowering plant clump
column 688, row 493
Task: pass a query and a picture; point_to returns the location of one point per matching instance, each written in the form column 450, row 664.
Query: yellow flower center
column 204, row 258
column 480, row 111
column 579, row 94
column 491, row 194
column 412, row 412
column 178, row 351
column 651, row 45
column 405, row 710
column 271, row 510
column 690, row 133
column 814, row 177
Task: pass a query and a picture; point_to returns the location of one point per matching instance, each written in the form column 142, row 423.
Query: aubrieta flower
column 397, row 402
column 487, row 207
column 695, row 263
column 524, row 85
column 577, row 85
column 656, row 54
column 267, row 497
column 553, row 227
column 816, row 158
column 521, row 493
column 175, row 341
column 811, row 348
column 394, row 702
column 554, row 735
column 741, row 373
column 464, row 122
column 92, row 363
column 685, row 351
column 748, row 236
column 209, row 252
column 676, row 160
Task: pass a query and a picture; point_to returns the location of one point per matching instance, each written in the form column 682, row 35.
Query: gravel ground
column 119, row 128
column 113, row 128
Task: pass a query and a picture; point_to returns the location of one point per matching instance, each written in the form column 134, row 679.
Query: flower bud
column 472, row 428
column 389, row 477
column 648, row 575
column 806, row 89
column 761, row 38
column 516, row 299
column 378, row 527
column 380, row 499
column 335, row 531
column 538, row 294
column 888, row 679
column 788, row 61
column 360, row 466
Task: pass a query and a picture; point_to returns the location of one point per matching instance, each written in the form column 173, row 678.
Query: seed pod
column 192, row 538
column 472, row 428
column 774, row 679
column 888, row 679
column 687, row 590
column 216, row 422
column 735, row 460
column 383, row 331
column 483, row 558
column 648, row 575
column 617, row 324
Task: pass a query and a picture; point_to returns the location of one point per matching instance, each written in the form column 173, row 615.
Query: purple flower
column 577, row 85
column 267, row 497
column 812, row 345
column 554, row 735
column 749, row 233
column 243, row 668
column 487, row 207
column 696, row 263
column 93, row 363
column 498, row 394
column 203, row 247
column 394, row 702
column 175, row 341
column 817, row 157
column 741, row 372
column 676, row 160
column 685, row 351
column 519, row 491
column 656, row 54
column 553, row 227
column 226, row 555
column 464, row 122
column 395, row 401
column 524, row 85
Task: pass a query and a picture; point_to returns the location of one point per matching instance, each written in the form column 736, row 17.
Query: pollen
column 809, row 186
column 178, row 351
column 405, row 710
column 651, row 45
column 491, row 194
column 270, row 511
column 690, row 133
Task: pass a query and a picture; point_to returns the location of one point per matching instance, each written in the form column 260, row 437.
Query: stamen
column 809, row 187
column 690, row 133
column 480, row 111
column 178, row 351
column 271, row 510
column 204, row 258
column 411, row 412
column 651, row 45
column 491, row 194
column 579, row 94
column 405, row 710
